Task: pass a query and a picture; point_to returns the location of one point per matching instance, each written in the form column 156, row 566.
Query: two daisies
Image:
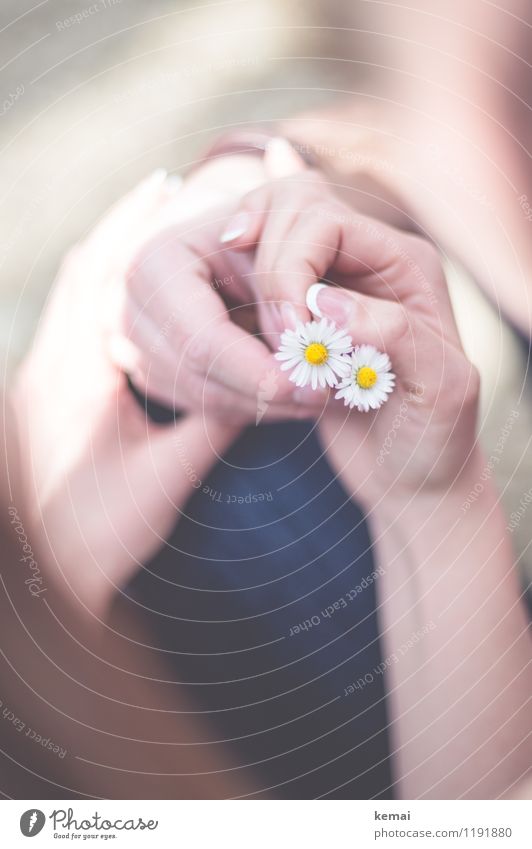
column 320, row 355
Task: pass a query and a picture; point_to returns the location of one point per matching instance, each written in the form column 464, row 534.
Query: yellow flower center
column 316, row 354
column 366, row 377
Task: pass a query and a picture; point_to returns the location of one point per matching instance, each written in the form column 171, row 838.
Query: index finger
column 171, row 278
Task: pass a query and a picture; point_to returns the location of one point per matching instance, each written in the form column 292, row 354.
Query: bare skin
column 457, row 651
column 420, row 769
column 443, row 135
column 98, row 692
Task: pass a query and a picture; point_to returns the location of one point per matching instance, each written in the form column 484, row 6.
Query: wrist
column 467, row 499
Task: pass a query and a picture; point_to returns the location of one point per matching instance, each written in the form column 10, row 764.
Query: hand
column 189, row 324
column 393, row 296
column 103, row 484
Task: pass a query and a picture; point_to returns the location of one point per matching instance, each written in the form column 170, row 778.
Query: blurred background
column 94, row 95
column 97, row 94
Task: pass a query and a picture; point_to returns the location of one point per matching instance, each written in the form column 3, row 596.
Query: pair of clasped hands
column 186, row 288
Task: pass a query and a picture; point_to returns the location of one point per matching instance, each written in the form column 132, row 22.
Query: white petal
column 301, row 373
column 287, row 355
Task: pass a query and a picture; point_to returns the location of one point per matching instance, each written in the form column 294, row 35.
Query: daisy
column 369, row 381
column 317, row 352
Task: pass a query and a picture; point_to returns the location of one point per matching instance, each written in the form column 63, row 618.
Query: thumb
column 413, row 348
column 242, row 231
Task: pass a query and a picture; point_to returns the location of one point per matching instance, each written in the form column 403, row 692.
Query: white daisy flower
column 369, row 381
column 317, row 352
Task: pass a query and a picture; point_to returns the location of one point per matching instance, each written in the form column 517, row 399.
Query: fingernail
column 312, row 298
column 327, row 302
column 235, row 228
column 288, row 315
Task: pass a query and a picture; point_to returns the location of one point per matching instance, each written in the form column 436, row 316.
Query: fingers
column 264, row 218
column 177, row 332
column 199, row 336
column 219, row 372
column 194, row 394
column 421, row 356
column 305, row 234
column 225, row 358
column 110, row 241
column 282, row 160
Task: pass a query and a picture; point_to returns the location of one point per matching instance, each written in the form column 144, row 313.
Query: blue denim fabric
column 265, row 596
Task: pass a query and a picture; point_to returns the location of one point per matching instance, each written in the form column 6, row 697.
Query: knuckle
column 400, row 329
column 191, row 386
column 425, row 254
column 286, row 264
column 331, row 216
column 257, row 199
column 197, row 350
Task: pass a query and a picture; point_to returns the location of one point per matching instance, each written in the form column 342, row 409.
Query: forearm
column 104, row 697
column 455, row 643
column 120, row 510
